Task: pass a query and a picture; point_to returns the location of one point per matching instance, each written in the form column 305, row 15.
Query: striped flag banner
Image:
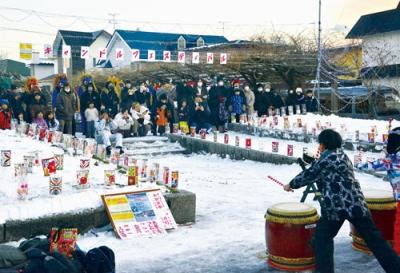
column 25, row 51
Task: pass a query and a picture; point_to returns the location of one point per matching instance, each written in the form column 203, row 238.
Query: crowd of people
column 134, row 109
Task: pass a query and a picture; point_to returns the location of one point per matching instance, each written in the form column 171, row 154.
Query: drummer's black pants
column 326, row 230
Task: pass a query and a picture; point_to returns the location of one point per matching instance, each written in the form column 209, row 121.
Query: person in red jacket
column 5, row 115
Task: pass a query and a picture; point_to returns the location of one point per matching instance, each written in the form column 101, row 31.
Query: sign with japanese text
column 66, row 51
column 119, row 54
column 181, row 57
column 223, row 58
column 84, row 52
column 167, row 56
column 135, row 55
column 139, row 213
column 48, row 51
column 210, row 58
column 151, row 55
column 102, row 53
column 196, row 57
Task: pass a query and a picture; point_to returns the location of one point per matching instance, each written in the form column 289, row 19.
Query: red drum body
column 383, row 211
column 289, row 228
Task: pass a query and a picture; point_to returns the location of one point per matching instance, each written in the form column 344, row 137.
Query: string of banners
column 120, row 55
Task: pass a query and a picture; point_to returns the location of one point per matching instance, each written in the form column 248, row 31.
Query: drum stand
column 310, row 188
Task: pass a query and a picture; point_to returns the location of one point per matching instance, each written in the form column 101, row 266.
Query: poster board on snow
column 138, row 213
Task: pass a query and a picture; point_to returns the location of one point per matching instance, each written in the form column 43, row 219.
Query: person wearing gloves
column 105, row 127
column 141, row 119
column 124, row 122
column 342, row 199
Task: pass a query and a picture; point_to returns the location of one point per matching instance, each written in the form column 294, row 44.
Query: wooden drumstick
column 317, row 155
column 278, row 182
column 359, row 159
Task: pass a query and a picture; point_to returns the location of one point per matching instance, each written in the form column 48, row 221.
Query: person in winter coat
column 237, row 105
column 198, row 115
column 39, row 120
column 91, row 115
column 141, row 119
column 250, row 99
column 290, row 101
column 342, row 199
column 105, row 127
column 278, row 101
column 109, row 99
column 231, row 91
column 391, row 164
column 38, row 103
column 52, row 122
column 66, row 108
column 143, row 95
column 164, row 112
column 201, row 89
column 128, row 95
column 89, row 94
column 216, row 95
column 124, row 122
column 300, row 99
column 5, row 115
column 311, row 102
column 261, row 101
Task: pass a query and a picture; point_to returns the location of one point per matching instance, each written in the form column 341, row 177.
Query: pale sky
column 37, row 22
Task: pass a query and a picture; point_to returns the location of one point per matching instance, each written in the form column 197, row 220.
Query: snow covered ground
column 232, row 199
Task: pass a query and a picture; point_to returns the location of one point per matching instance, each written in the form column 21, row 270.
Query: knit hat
column 268, row 86
column 309, row 91
column 298, row 89
column 235, row 81
column 258, row 85
column 245, row 84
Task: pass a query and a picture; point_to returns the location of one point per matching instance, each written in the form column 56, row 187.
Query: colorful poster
column 142, row 213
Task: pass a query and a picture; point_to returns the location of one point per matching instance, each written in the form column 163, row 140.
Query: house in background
column 380, row 34
column 8, row 66
column 159, row 42
column 76, row 39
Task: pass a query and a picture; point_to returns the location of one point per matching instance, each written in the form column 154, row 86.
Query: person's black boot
column 120, row 150
column 108, row 150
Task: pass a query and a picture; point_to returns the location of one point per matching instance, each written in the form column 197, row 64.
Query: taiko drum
column 383, row 211
column 289, row 228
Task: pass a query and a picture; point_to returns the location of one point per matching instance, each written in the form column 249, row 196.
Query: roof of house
column 380, row 22
column 160, row 41
column 78, row 38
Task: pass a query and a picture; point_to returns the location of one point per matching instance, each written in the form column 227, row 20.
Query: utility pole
column 223, row 27
column 112, row 21
column 319, row 60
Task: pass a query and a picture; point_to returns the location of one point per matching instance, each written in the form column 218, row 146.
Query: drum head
column 295, row 213
column 380, row 199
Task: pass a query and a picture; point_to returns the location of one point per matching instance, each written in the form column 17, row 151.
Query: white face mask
column 260, row 89
column 267, row 90
column 141, row 88
column 221, row 83
column 246, row 88
column 67, row 90
column 199, row 84
column 128, row 86
column 291, row 91
column 90, row 88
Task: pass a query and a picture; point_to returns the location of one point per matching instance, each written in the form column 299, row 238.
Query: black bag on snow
column 100, row 260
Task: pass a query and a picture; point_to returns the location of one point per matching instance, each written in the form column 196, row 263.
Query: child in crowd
column 91, row 115
column 238, row 106
column 5, row 115
column 391, row 164
column 39, row 120
column 52, row 122
column 163, row 113
column 183, row 114
column 342, row 200
column 20, row 117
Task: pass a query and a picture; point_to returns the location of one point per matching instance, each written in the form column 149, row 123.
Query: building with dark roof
column 129, row 40
column 76, row 39
column 380, row 34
